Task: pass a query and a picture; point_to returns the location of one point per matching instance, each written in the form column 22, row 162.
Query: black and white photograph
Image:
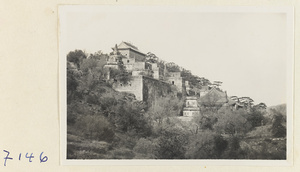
column 175, row 83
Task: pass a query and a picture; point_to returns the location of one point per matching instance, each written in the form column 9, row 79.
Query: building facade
column 191, row 107
column 142, row 72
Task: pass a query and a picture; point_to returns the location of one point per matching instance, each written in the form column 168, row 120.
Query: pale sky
column 247, row 51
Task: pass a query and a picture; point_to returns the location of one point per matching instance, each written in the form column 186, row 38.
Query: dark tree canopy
column 76, row 57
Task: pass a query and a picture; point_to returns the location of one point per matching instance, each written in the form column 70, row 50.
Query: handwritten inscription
column 29, row 156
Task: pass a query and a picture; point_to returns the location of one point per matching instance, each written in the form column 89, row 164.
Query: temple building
column 131, row 52
column 174, row 78
column 191, row 105
column 145, row 74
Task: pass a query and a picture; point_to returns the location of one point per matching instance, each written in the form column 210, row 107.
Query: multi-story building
column 142, row 72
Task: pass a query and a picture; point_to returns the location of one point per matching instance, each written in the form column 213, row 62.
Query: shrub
column 255, row 118
column 278, row 130
column 95, row 127
column 145, row 149
column 171, row 144
column 201, row 146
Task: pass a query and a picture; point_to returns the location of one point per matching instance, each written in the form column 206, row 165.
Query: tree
column 76, row 57
column 232, row 122
column 120, row 74
column 129, row 116
column 234, row 150
column 206, row 120
column 201, row 146
column 145, row 149
column 278, row 130
column 72, row 82
column 95, row 127
column 206, row 145
column 255, row 117
column 171, row 144
column 172, row 67
column 165, row 107
column 211, row 102
column 194, row 81
column 151, row 57
column 220, row 145
column 261, row 106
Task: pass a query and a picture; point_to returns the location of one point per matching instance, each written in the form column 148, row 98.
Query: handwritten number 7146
column 27, row 155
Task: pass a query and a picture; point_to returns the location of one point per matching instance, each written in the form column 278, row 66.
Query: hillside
column 280, row 108
column 103, row 123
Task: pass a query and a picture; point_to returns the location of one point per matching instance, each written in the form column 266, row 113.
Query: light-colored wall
column 139, row 66
column 112, row 59
column 155, row 74
column 128, row 63
column 128, row 60
column 190, row 113
column 129, row 67
column 132, row 54
column 112, row 66
column 135, row 86
column 177, row 82
column 124, row 52
column 144, row 88
column 191, row 103
column 137, row 56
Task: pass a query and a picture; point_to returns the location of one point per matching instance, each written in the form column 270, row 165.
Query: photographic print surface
column 174, row 83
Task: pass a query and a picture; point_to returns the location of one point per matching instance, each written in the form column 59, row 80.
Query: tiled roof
column 219, row 96
column 126, row 45
column 130, row 45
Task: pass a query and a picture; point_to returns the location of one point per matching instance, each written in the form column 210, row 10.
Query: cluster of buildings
column 149, row 83
column 142, row 72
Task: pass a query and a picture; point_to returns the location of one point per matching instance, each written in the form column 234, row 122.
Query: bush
column 232, row 122
column 129, row 117
column 171, row 144
column 220, row 145
column 206, row 120
column 201, row 146
column 95, row 127
column 255, row 118
column 278, row 130
column 145, row 149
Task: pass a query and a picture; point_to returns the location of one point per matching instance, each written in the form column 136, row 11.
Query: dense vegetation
column 106, row 124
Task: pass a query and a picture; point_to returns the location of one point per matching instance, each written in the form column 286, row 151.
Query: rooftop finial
column 116, row 50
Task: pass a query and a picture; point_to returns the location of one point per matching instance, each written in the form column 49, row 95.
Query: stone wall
column 177, row 81
column 156, row 74
column 124, row 52
column 145, row 88
column 153, row 89
column 139, row 66
column 135, row 86
column 137, row 56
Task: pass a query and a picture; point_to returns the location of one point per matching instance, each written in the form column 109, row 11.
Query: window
column 172, row 82
column 127, row 61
